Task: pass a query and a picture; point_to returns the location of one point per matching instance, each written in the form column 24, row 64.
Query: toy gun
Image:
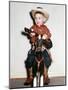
column 26, row 32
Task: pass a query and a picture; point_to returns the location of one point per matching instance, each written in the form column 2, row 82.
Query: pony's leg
column 41, row 81
column 34, row 82
column 38, row 79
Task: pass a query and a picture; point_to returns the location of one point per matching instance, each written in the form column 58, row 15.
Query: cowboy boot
column 29, row 77
column 46, row 78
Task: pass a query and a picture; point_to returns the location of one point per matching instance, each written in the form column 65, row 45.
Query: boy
column 39, row 16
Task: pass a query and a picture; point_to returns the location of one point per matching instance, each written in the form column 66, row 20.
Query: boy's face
column 39, row 19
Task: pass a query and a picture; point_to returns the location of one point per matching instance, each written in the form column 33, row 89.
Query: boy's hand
column 39, row 36
column 44, row 36
column 32, row 33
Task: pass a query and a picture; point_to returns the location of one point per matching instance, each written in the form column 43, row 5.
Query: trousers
column 31, row 57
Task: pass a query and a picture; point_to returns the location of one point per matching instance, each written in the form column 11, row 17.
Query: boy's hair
column 39, row 13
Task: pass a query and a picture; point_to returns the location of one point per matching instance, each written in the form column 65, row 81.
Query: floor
column 54, row 81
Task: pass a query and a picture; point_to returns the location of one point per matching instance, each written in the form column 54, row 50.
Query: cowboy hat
column 40, row 10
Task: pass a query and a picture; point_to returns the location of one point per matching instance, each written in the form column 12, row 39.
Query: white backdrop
column 19, row 45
